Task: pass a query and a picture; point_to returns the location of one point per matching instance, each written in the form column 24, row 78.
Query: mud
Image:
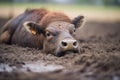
column 99, row 57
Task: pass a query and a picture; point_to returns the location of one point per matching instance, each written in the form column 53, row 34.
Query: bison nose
column 69, row 44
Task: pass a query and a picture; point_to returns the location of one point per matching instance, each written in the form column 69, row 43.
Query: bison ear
column 33, row 27
column 78, row 21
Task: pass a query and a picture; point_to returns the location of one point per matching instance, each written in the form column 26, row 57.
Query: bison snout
column 69, row 44
column 66, row 46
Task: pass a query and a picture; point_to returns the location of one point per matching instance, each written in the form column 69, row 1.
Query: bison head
column 58, row 36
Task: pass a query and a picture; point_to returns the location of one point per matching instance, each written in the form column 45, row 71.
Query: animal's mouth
column 62, row 53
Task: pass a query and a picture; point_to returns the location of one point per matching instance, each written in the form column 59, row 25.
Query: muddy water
column 33, row 67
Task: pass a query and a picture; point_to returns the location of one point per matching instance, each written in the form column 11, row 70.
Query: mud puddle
column 32, row 67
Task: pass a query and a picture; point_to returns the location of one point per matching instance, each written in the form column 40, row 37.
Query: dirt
column 99, row 57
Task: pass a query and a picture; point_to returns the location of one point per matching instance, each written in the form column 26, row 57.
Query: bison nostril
column 75, row 44
column 64, row 43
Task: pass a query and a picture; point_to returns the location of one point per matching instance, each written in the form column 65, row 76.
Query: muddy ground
column 99, row 57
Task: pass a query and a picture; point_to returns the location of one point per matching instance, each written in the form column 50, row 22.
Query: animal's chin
column 62, row 53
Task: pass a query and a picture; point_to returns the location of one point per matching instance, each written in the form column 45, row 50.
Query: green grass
column 63, row 7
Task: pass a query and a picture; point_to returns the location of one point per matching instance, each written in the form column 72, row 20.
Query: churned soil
column 99, row 57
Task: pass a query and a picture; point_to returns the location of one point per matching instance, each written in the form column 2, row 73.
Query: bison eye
column 72, row 31
column 48, row 34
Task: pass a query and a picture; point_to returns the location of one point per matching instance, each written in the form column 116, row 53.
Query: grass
column 92, row 12
column 63, row 7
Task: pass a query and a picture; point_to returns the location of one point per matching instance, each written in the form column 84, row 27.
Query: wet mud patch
column 30, row 67
column 99, row 58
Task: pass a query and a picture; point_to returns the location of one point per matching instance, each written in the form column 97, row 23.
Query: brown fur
column 41, row 20
column 53, row 16
column 15, row 26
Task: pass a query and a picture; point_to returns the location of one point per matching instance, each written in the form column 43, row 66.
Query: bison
column 39, row 28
